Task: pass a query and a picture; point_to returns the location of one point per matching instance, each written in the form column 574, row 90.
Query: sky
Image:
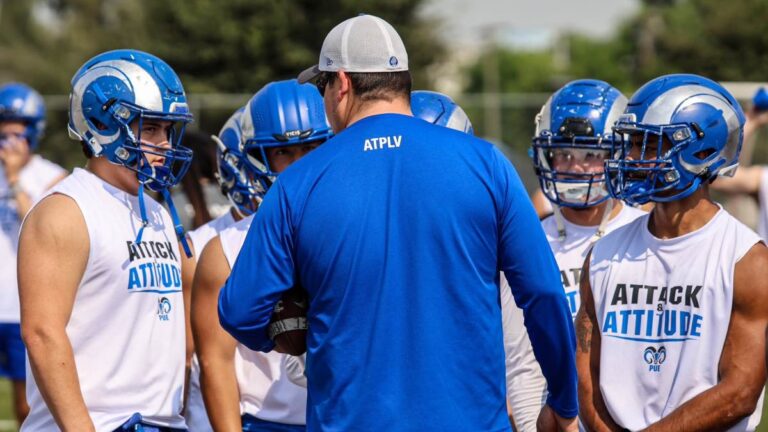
column 526, row 23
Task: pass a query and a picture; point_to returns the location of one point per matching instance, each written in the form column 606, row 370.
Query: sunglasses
column 321, row 83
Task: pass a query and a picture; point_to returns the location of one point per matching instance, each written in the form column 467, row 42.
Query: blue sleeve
column 526, row 259
column 263, row 270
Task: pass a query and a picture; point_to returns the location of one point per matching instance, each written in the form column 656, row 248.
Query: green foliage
column 233, row 46
column 519, row 71
column 725, row 42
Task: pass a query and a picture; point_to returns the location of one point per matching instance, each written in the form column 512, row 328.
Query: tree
column 215, row 46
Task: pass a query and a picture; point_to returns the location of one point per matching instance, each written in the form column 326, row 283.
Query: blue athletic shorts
column 12, row 352
column 253, row 424
column 136, row 424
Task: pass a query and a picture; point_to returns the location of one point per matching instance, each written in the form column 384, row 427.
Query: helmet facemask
column 135, row 154
column 238, row 183
column 656, row 162
column 570, row 165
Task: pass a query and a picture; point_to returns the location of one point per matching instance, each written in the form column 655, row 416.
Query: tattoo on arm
column 584, row 332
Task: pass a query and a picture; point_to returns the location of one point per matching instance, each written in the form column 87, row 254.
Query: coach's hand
column 549, row 421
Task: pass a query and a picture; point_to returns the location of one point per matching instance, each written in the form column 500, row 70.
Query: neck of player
column 677, row 218
column 236, row 216
column 116, row 175
column 590, row 216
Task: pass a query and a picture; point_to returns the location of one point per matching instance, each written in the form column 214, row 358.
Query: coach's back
column 397, row 229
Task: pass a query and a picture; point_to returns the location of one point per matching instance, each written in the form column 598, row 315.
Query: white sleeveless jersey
column 34, row 179
column 571, row 252
column 664, row 307
column 266, row 392
column 127, row 322
column 526, row 386
column 204, row 233
column 195, row 413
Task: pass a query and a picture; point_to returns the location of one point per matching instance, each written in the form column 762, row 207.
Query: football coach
column 397, row 229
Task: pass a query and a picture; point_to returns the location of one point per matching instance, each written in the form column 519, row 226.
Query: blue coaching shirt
column 397, row 229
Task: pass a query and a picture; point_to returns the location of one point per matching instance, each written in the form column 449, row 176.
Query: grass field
column 6, row 417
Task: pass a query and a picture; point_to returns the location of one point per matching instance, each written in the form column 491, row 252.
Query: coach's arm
column 53, row 254
column 593, row 412
column 527, row 261
column 742, row 369
column 263, row 271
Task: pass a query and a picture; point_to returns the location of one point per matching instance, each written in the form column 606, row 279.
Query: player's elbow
column 743, row 401
column 39, row 335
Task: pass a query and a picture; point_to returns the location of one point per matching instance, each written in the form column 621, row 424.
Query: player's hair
column 371, row 86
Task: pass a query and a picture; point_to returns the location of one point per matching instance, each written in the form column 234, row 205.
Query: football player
column 99, row 262
column 671, row 329
column 245, row 389
column 572, row 141
column 25, row 177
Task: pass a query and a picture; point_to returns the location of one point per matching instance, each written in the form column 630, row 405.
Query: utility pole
column 491, row 86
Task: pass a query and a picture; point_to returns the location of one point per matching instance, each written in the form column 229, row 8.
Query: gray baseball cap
column 364, row 43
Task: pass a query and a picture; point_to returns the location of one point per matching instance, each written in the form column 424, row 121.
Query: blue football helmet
column 685, row 130
column 575, row 125
column 282, row 113
column 440, row 109
column 117, row 88
column 233, row 173
column 19, row 102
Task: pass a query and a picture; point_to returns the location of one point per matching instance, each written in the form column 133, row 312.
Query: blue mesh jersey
column 398, row 229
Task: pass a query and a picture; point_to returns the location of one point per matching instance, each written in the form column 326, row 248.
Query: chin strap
column 560, row 222
column 177, row 226
column 142, row 212
column 603, row 223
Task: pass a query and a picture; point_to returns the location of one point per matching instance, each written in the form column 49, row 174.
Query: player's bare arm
column 746, row 180
column 592, row 410
column 215, row 347
column 742, row 367
column 55, row 234
column 188, row 265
